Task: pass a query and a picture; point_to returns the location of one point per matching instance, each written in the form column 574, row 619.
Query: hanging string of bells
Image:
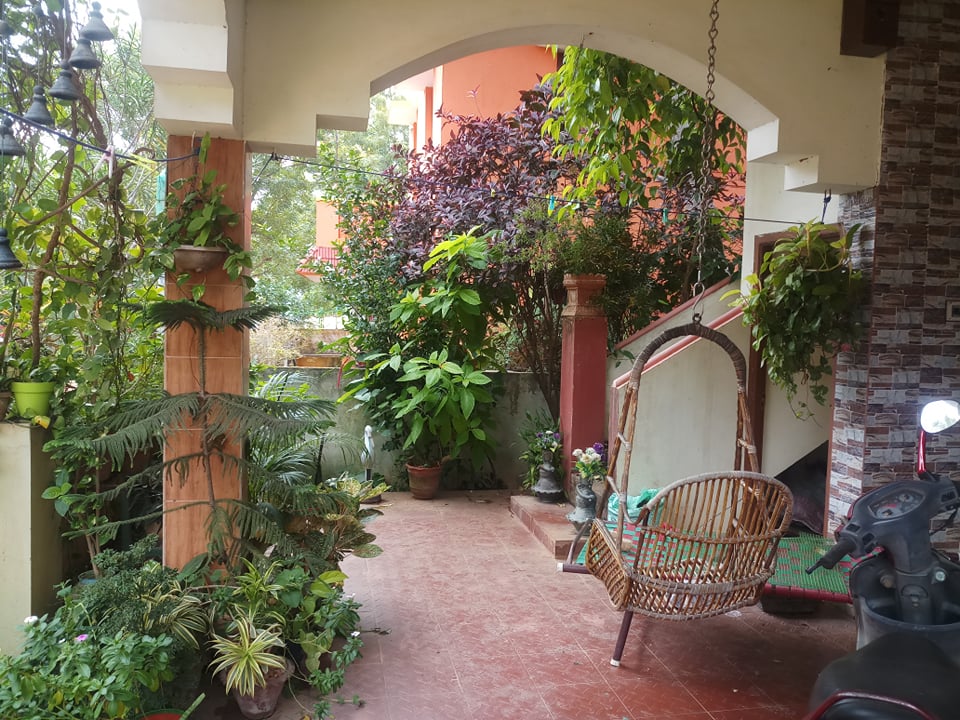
column 64, row 89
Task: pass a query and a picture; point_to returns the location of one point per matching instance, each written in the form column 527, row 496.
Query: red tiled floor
column 465, row 618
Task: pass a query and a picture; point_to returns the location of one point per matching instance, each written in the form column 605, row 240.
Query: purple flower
column 80, row 638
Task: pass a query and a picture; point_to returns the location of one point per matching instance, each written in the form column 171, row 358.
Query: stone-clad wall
column 910, row 248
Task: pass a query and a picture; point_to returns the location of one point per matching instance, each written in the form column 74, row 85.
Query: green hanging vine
column 804, row 307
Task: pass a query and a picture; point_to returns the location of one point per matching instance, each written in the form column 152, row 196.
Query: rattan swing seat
column 703, row 545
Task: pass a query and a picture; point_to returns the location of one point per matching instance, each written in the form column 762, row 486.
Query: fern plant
column 225, row 423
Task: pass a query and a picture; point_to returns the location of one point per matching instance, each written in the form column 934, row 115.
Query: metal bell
column 38, row 112
column 64, row 88
column 8, row 261
column 83, row 56
column 96, row 29
column 9, row 147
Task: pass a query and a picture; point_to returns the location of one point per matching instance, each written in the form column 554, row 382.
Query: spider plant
column 247, row 655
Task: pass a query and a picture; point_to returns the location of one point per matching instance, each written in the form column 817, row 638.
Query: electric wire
column 91, row 146
column 274, row 157
column 529, row 196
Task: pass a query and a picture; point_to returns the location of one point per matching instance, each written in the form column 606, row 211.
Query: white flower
column 577, row 453
column 355, row 633
column 30, row 620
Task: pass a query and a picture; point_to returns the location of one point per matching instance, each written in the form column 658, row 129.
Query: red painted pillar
column 583, row 369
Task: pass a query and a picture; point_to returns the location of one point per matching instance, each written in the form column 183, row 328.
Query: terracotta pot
column 5, row 397
column 191, row 258
column 424, row 481
column 263, row 702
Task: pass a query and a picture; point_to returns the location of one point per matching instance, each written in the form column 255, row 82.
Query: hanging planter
column 804, row 307
column 194, row 234
column 198, row 258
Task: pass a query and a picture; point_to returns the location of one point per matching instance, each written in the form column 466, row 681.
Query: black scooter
column 906, row 598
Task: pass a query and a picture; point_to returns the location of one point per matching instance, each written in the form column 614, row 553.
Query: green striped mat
column 790, row 579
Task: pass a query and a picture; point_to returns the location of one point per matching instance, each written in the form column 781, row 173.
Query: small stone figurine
column 366, row 457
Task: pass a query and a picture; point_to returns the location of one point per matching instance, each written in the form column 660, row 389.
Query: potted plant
column 5, row 397
column 175, row 714
column 804, row 306
column 589, row 467
column 541, row 434
column 279, row 619
column 193, row 233
column 252, row 664
column 429, row 391
column 33, row 391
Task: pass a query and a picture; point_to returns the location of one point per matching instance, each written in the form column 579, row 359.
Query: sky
column 113, row 10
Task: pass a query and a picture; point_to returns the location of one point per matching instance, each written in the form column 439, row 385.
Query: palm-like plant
column 224, row 421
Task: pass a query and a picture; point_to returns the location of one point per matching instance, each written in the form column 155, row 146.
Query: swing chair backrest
column 622, row 446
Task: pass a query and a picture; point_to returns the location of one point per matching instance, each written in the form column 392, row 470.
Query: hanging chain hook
column 827, row 197
column 706, row 150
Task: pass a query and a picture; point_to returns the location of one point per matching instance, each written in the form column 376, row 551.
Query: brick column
column 228, row 357
column 583, row 369
column 911, row 253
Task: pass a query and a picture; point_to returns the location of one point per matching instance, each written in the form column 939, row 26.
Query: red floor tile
column 478, row 625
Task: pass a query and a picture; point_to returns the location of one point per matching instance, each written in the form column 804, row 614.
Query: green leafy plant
column 247, row 655
column 197, row 215
column 281, row 608
column 234, row 526
column 71, row 670
column 136, row 595
column 804, row 306
column 430, row 391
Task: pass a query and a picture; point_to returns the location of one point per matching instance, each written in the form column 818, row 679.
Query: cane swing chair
column 707, row 544
column 703, row 545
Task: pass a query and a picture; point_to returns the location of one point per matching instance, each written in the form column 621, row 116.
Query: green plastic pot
column 32, row 398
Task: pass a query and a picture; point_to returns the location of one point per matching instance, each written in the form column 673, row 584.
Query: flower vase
column 547, row 489
column 585, row 503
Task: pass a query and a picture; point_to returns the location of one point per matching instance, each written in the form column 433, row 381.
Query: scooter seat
column 892, row 675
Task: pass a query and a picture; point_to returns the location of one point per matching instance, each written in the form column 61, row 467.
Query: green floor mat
column 794, row 555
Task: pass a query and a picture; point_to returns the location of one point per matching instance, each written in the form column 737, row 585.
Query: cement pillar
column 583, row 369
column 228, row 357
column 30, row 543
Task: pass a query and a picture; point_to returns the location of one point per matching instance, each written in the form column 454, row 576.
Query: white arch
column 272, row 72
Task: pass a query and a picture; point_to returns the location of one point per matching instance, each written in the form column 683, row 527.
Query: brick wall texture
column 910, row 250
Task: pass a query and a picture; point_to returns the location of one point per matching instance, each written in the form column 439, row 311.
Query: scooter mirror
column 939, row 415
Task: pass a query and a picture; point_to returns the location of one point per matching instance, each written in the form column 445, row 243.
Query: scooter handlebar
column 831, row 557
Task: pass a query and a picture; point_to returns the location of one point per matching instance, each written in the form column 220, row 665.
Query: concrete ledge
column 547, row 522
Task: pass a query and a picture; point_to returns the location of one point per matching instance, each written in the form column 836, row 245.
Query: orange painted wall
column 483, row 84
column 327, row 230
column 490, row 82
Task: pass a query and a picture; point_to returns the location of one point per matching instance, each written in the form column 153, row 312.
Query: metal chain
column 706, row 150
